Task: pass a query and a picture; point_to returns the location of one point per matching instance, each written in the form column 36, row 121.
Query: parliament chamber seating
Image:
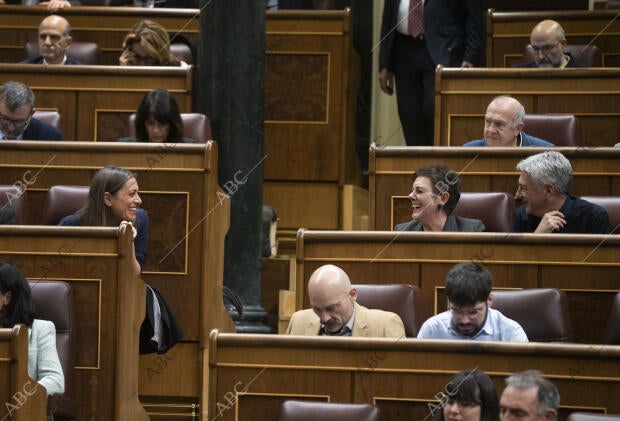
column 494, row 209
column 14, row 197
column 541, row 312
column 584, row 55
column 328, row 411
column 61, row 201
column 84, row 52
column 612, row 335
column 182, row 51
column 196, row 126
column 49, row 117
column 591, row 416
column 404, row 300
column 561, row 130
column 611, row 205
column 52, row 301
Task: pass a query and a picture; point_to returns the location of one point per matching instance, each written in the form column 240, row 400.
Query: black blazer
column 39, row 60
column 452, row 28
column 39, row 130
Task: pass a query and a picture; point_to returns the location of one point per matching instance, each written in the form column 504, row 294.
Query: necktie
column 344, row 331
column 416, row 18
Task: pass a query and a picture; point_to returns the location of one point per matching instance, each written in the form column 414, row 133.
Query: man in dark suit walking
column 416, row 36
column 54, row 40
column 16, row 110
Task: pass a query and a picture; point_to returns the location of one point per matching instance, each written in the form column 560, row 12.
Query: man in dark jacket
column 54, row 40
column 548, row 42
column 16, row 110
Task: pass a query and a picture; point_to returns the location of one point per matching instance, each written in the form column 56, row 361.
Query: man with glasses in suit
column 16, row 110
column 469, row 314
column 548, row 42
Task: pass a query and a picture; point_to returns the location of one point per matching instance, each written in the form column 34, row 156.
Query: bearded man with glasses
column 548, row 43
column 469, row 314
column 16, row 110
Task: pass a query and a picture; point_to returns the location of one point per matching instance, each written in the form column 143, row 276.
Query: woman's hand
column 55, row 5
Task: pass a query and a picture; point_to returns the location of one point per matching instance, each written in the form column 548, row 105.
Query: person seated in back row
column 435, row 194
column 335, row 311
column 54, row 41
column 503, row 125
column 16, row 110
column 544, row 186
column 548, row 42
column 148, row 44
column 158, row 120
column 469, row 314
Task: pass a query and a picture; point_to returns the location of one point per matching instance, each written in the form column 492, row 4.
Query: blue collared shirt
column 497, row 327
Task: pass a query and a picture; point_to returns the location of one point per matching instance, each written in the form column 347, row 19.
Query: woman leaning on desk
column 148, row 44
column 435, row 194
column 16, row 307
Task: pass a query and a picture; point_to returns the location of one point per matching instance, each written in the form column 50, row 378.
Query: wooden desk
column 251, row 375
column 507, row 33
column 95, row 102
column 107, row 26
column 23, row 399
column 585, row 266
column 592, row 95
column 109, row 303
column 481, row 169
column 189, row 217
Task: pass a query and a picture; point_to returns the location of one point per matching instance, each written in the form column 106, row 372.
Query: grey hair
column 519, row 114
column 548, row 395
column 549, row 168
column 560, row 35
column 16, row 95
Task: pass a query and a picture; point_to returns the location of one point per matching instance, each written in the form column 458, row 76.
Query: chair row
column 90, row 53
column 542, row 312
column 495, row 209
column 196, row 126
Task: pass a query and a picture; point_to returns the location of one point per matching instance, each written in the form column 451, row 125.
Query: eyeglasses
column 6, row 122
column 463, row 404
column 546, row 49
column 459, row 312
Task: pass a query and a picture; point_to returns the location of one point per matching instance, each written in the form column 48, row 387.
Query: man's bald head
column 54, row 39
column 331, row 296
column 548, row 40
column 503, row 121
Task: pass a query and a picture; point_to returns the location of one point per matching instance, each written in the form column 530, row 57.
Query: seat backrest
column 52, row 301
column 84, row 52
column 62, row 201
column 494, row 209
column 196, row 126
column 612, row 4
column 559, row 129
column 591, row 416
column 611, row 205
column 14, row 197
column 541, row 312
column 50, row 117
column 328, row 411
column 584, row 55
column 404, row 300
column 182, row 52
column 612, row 335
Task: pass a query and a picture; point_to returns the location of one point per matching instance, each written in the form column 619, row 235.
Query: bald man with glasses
column 469, row 314
column 548, row 43
column 16, row 110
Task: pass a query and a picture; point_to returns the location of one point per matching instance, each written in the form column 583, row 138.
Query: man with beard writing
column 469, row 314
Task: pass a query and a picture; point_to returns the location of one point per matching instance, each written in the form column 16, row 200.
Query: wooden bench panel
column 507, row 33
column 583, row 265
column 481, row 169
column 592, row 95
column 253, row 374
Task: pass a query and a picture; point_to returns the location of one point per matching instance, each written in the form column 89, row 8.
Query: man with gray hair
column 503, row 125
column 54, row 41
column 548, row 43
column 544, row 186
column 528, row 396
column 16, row 110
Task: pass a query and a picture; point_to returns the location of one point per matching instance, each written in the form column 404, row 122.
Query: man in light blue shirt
column 469, row 315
